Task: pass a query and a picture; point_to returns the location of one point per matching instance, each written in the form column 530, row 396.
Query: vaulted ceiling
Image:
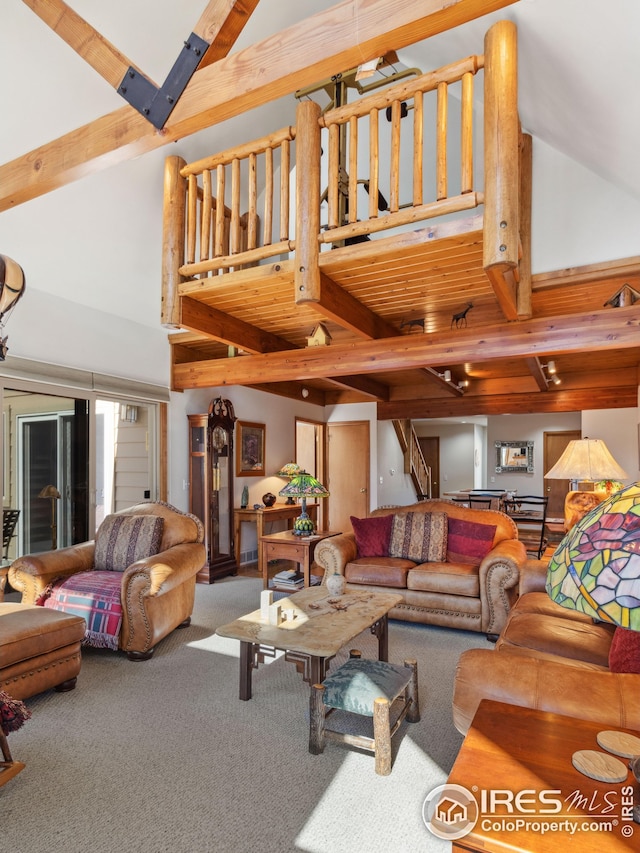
column 595, row 348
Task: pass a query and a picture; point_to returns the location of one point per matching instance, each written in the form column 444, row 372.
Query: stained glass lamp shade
column 304, row 486
column 596, row 568
column 289, row 470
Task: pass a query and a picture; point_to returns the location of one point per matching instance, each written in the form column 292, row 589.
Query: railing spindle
column 235, row 244
column 353, row 169
column 267, row 228
column 374, row 164
column 285, row 168
column 192, row 218
column 394, row 199
column 418, row 146
column 220, row 191
column 334, row 176
column 205, row 232
column 253, row 198
column 441, row 142
column 466, row 142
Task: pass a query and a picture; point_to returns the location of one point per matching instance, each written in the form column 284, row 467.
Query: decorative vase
column 335, row 584
column 244, row 502
column 268, row 499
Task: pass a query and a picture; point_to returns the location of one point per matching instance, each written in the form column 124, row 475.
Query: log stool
column 368, row 688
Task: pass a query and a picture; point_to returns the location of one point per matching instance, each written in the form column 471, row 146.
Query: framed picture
column 250, row 449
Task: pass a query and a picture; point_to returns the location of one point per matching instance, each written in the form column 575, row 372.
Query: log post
column 307, row 271
column 501, row 147
column 525, row 309
column 173, row 222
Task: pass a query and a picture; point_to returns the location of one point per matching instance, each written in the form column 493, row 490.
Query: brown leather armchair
column 156, row 593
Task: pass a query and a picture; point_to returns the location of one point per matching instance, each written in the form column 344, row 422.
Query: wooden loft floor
column 382, row 286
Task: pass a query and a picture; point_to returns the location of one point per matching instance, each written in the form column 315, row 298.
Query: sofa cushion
column 451, row 578
column 419, row 536
column 468, row 541
column 372, row 535
column 624, row 653
column 379, row 571
column 123, row 539
column 567, row 638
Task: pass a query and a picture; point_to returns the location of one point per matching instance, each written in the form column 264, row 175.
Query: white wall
column 393, row 485
column 619, row 429
column 457, row 445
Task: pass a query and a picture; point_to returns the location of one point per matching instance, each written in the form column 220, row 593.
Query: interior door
column 554, row 444
column 347, row 472
column 430, row 446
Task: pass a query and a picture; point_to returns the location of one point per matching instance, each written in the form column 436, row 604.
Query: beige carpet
column 162, row 757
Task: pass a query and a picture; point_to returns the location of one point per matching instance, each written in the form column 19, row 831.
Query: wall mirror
column 514, row 456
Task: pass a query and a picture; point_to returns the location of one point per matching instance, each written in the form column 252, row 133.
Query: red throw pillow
column 372, row 535
column 624, row 652
column 468, row 541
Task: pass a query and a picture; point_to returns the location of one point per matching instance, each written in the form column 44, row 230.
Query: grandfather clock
column 211, row 486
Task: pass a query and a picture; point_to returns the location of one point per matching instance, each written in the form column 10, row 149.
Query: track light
column 447, row 376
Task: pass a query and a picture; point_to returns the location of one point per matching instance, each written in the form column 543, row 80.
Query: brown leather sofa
column 157, row 592
column 547, row 658
column 450, row 594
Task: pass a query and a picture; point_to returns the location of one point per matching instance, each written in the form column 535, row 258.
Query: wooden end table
column 4, row 571
column 265, row 515
column 287, row 546
column 509, row 750
column 320, row 625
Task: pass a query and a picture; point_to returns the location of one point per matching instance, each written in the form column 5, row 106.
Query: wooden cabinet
column 211, row 486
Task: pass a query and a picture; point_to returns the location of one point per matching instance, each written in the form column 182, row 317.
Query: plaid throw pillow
column 419, row 536
column 123, row 539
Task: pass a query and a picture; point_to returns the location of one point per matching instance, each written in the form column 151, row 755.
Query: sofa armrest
column 533, row 577
column 162, row 572
column 573, row 688
column 32, row 573
column 333, row 554
column 499, row 574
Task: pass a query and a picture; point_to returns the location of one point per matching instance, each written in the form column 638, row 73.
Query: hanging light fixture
column 12, row 286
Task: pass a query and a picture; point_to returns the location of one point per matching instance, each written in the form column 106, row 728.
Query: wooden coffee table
column 319, row 625
column 513, row 749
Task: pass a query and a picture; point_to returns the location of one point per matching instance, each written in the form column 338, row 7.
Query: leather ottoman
column 39, row 649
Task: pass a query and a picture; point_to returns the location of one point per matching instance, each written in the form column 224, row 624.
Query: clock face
column 219, row 438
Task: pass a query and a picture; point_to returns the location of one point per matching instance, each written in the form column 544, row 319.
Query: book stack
column 289, row 579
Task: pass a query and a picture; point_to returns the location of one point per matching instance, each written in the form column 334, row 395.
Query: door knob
column 362, row 491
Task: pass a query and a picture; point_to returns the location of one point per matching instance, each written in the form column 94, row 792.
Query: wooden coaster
column 599, row 765
column 619, row 743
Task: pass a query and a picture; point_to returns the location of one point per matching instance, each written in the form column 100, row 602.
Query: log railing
column 218, row 236
column 206, row 231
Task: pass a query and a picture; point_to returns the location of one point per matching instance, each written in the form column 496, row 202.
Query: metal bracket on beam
column 156, row 104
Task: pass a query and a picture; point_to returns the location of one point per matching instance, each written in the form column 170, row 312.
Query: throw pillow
column 419, row 536
column 123, row 539
column 372, row 535
column 468, row 541
column 624, row 652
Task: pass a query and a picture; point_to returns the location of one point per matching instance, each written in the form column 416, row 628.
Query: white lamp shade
column 586, row 459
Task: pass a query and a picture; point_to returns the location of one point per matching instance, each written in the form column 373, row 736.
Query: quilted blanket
column 95, row 596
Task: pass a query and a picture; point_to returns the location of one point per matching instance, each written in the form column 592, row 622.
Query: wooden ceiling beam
column 347, row 311
column 339, row 38
column 512, row 404
column 619, row 328
column 198, row 317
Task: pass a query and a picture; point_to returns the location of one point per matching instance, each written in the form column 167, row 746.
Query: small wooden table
column 512, row 749
column 277, row 512
column 287, row 546
column 320, row 625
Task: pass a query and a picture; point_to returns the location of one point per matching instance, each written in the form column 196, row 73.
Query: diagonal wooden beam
column 535, row 368
column 618, row 328
column 341, row 37
column 224, row 18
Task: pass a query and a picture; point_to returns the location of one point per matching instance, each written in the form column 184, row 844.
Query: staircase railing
column 414, row 461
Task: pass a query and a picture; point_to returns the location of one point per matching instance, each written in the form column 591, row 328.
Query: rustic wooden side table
column 518, row 764
column 287, row 546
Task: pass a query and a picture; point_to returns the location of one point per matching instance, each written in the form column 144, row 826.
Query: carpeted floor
column 162, row 757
